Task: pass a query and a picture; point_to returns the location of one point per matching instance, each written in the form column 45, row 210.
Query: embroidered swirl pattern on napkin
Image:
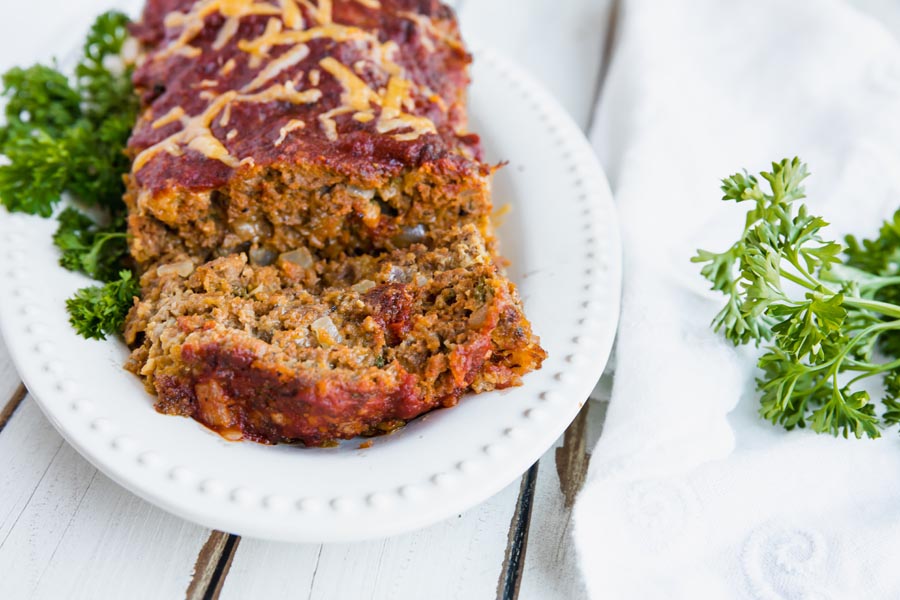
column 690, row 494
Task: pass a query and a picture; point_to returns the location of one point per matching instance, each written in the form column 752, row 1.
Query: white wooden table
column 66, row 531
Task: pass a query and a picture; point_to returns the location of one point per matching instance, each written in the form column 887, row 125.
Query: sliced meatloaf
column 316, row 350
column 312, row 220
column 338, row 125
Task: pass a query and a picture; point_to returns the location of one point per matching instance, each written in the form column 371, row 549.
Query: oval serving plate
column 563, row 243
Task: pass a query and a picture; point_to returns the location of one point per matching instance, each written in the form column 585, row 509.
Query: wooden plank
column 459, row 558
column 212, row 566
column 66, row 531
column 10, row 384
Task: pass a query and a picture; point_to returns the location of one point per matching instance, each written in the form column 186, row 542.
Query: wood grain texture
column 458, row 558
column 10, row 384
column 66, row 531
column 212, row 566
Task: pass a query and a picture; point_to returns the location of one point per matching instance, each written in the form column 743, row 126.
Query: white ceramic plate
column 562, row 239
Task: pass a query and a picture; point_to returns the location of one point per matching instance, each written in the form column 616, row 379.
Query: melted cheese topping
column 357, row 94
column 286, row 60
column 274, row 36
column 291, row 126
column 290, row 14
column 322, row 12
column 427, row 26
column 193, row 22
column 357, row 97
column 228, row 67
column 283, row 93
column 196, row 135
column 173, row 115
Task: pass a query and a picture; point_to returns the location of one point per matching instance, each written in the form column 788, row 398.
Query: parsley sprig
column 68, row 136
column 828, row 314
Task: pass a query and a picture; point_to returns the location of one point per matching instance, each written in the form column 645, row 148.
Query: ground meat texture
column 312, row 220
column 281, row 354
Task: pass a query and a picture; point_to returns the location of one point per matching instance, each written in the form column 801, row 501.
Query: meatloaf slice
column 312, row 351
column 335, row 124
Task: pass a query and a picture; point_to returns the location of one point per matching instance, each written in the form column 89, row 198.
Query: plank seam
column 217, row 581
column 511, row 573
column 31, row 496
column 12, row 404
column 68, row 526
column 312, row 580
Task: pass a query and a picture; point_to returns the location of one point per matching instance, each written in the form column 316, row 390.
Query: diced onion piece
column 326, row 332
column 250, row 229
column 181, row 268
column 410, row 235
column 261, row 257
column 300, row 256
column 477, row 318
column 360, row 192
column 421, row 280
column 398, row 275
column 363, row 286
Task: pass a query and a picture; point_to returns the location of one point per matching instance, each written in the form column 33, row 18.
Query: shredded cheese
column 291, row 126
column 274, row 35
column 286, row 26
column 226, row 116
column 196, row 135
column 228, row 67
column 283, row 92
column 322, row 12
column 286, row 60
column 175, row 114
column 226, row 32
column 192, row 22
column 290, row 14
column 329, row 125
column 357, row 95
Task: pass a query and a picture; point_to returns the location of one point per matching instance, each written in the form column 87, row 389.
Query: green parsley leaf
column 63, row 137
column 820, row 317
column 98, row 252
column 96, row 312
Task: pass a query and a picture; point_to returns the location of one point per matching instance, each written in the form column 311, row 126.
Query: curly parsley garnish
column 67, row 135
column 98, row 252
column 97, row 311
column 822, row 308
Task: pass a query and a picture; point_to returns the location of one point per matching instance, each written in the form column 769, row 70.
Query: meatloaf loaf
column 337, row 126
column 312, row 220
column 313, row 351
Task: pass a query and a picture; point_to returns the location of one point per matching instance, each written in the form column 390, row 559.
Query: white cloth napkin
column 690, row 494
